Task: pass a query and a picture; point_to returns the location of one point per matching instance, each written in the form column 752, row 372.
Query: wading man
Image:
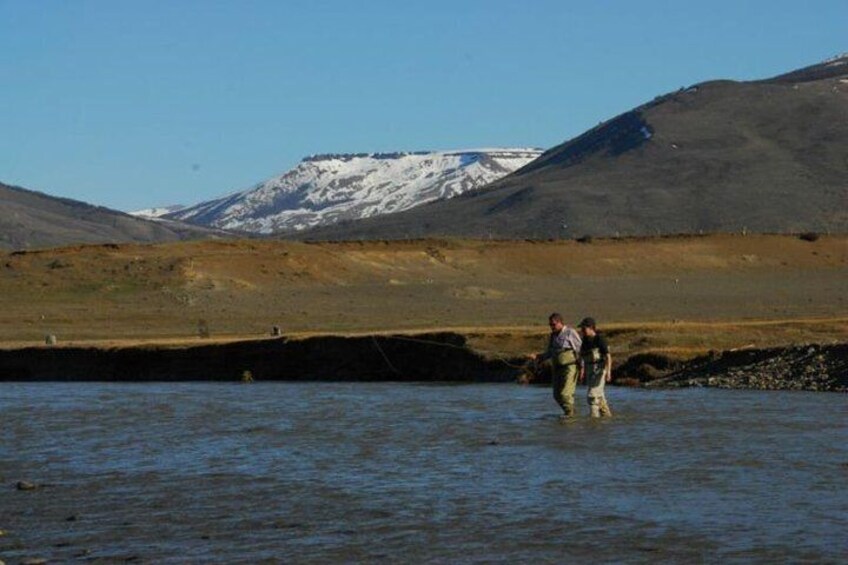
column 595, row 367
column 563, row 349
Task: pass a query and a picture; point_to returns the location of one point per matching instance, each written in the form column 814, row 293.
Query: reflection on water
column 330, row 472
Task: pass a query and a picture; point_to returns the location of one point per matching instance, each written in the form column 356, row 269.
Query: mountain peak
column 830, row 68
column 401, row 154
column 326, row 188
column 351, row 156
column 842, row 58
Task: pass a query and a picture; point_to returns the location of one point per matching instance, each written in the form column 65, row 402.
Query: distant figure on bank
column 595, row 367
column 563, row 350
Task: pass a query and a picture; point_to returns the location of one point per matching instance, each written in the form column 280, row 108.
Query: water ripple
column 317, row 472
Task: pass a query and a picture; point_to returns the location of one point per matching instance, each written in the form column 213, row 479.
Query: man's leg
column 557, row 384
column 569, row 388
column 564, row 396
column 605, row 409
column 595, row 383
column 594, row 406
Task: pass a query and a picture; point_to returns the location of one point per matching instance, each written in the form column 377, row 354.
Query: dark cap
column 587, row 323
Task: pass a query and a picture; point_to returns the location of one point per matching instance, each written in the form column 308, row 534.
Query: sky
column 133, row 104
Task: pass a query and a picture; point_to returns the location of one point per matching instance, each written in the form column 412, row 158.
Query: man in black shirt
column 595, row 367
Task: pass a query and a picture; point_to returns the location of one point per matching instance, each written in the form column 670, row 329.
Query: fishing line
column 385, row 358
column 497, row 356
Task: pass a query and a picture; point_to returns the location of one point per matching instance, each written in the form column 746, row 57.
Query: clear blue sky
column 131, row 104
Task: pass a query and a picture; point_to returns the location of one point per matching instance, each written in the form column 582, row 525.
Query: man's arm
column 540, row 357
column 607, row 358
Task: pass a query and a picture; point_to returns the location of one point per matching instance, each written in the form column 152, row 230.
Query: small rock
column 26, row 485
column 71, row 518
column 283, row 525
column 34, row 561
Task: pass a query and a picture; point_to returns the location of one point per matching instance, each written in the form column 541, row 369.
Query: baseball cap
column 587, row 323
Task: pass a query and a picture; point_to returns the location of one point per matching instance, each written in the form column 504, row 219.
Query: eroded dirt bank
column 424, row 357
column 436, row 356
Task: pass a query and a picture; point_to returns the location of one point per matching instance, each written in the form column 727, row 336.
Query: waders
column 564, row 375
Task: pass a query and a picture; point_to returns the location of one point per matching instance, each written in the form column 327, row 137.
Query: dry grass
column 680, row 295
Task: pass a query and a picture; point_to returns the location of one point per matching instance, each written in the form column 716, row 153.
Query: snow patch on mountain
column 325, row 189
column 157, row 212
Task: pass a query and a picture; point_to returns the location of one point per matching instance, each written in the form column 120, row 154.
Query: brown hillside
column 729, row 157
column 31, row 219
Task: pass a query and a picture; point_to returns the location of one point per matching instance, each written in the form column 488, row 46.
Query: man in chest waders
column 595, row 367
column 563, row 348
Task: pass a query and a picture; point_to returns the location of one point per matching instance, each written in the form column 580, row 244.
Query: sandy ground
column 686, row 293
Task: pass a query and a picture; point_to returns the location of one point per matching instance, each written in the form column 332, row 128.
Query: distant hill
column 324, row 189
column 31, row 219
column 721, row 156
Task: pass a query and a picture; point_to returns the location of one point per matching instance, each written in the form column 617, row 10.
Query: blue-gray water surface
column 329, row 472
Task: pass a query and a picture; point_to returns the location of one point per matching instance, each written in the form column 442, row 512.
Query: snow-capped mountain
column 324, row 189
column 153, row 213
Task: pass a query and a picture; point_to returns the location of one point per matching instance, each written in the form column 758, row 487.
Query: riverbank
column 421, row 357
column 440, row 356
column 354, row 310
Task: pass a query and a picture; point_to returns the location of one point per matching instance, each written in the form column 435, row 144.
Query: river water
column 328, row 472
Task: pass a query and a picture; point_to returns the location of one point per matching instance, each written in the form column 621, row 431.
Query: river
column 330, row 472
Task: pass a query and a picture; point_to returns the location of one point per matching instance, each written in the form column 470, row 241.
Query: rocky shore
column 802, row 367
